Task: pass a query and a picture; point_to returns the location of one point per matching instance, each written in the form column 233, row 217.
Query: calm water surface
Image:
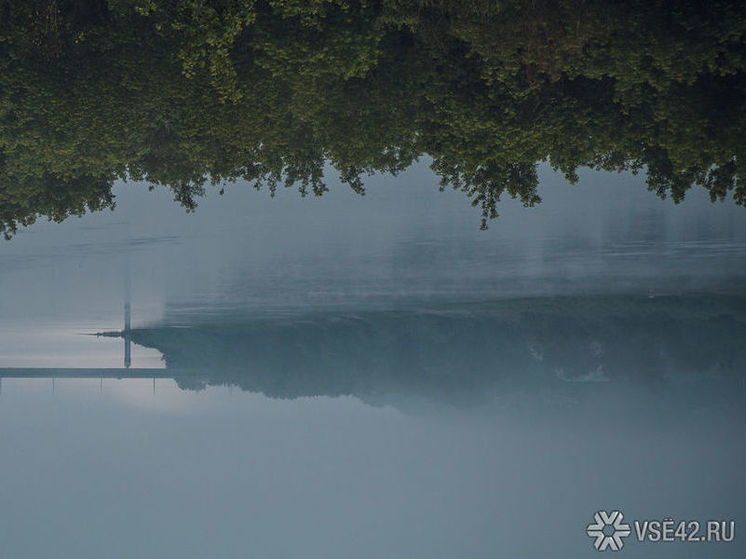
column 372, row 376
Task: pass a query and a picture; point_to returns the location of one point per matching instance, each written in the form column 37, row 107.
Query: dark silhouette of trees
column 461, row 353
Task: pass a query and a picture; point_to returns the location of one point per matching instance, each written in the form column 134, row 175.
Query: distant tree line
column 463, row 353
column 191, row 93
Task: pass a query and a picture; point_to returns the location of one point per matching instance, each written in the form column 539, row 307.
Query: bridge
column 124, row 372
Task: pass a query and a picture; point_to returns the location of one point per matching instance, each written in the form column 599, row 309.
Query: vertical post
column 127, row 321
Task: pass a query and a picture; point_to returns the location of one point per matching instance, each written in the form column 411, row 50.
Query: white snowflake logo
column 608, row 529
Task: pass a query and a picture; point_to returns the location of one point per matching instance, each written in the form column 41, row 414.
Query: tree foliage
column 185, row 93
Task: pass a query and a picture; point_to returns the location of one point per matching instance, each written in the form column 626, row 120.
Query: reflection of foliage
column 183, row 93
column 461, row 353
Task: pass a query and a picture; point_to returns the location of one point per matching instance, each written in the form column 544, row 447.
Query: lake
column 384, row 280
column 372, row 377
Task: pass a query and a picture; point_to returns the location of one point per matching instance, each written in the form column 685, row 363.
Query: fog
column 402, row 243
column 335, row 452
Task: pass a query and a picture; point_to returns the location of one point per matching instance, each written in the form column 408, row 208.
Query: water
column 372, row 376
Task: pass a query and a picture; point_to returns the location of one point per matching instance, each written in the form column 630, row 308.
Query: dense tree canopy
column 189, row 93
